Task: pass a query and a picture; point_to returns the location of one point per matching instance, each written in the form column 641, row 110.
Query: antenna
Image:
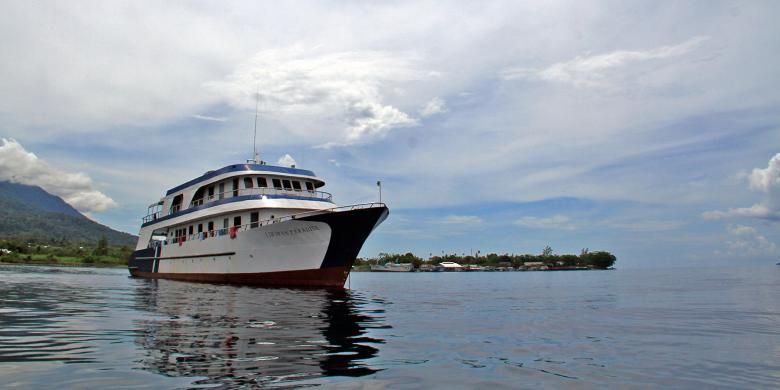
column 254, row 140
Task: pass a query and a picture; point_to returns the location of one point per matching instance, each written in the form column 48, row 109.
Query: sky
column 647, row 129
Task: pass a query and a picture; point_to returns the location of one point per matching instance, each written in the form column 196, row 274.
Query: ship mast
column 255, row 155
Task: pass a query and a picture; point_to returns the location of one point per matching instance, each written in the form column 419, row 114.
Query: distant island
column 546, row 261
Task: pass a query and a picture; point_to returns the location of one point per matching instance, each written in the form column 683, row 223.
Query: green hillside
column 29, row 221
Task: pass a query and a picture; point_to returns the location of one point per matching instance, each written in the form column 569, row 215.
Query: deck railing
column 262, row 191
column 216, row 233
column 259, row 191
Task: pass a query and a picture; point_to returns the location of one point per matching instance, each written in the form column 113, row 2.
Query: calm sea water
column 681, row 328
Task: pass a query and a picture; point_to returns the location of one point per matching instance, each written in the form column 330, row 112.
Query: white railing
column 259, row 191
column 254, row 225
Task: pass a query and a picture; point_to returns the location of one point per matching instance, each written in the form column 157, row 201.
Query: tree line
column 54, row 251
column 586, row 258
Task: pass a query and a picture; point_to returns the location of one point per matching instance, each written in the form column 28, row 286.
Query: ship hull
column 311, row 251
column 322, row 277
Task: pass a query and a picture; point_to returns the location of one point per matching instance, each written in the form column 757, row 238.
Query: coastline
column 86, row 265
column 112, row 263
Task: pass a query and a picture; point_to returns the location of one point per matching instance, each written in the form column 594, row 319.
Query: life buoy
column 233, row 231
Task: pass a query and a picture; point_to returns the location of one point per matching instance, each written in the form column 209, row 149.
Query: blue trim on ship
column 239, row 168
column 229, row 200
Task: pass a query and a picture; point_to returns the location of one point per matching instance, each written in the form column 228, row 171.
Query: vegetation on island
column 63, row 252
column 586, row 259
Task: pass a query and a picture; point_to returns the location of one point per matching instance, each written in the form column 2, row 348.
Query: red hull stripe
column 322, row 277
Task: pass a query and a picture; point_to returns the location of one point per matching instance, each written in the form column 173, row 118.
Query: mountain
column 37, row 197
column 30, row 213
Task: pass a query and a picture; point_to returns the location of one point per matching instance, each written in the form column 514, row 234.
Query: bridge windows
column 248, row 182
column 277, row 184
column 261, row 182
column 287, row 185
column 296, row 185
column 309, row 186
column 235, row 187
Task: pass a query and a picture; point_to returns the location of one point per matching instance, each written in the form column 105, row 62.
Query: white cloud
column 747, row 241
column 593, row 70
column 17, row 165
column 369, row 120
column 460, row 220
column 765, row 180
column 345, row 93
column 209, row 118
column 286, row 161
column 559, row 222
column 742, row 230
column 433, row 107
column 105, row 68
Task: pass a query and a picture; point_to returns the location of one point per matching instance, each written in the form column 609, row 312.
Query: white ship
column 253, row 224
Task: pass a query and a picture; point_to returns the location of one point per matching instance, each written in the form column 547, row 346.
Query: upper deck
column 248, row 167
column 235, row 183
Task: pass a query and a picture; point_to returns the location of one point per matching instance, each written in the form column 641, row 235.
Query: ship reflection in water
column 234, row 336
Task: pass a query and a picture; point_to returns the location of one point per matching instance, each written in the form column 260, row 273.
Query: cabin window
column 225, row 223
column 296, row 185
column 235, row 187
column 261, row 182
column 277, row 184
column 191, row 230
column 211, row 192
column 287, row 185
column 237, row 221
column 248, row 183
column 309, row 186
column 253, row 218
column 211, row 226
column 221, row 191
column 200, row 228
